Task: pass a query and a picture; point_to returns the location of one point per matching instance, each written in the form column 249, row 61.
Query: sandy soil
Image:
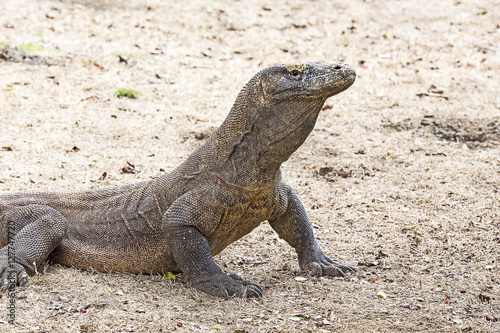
column 400, row 177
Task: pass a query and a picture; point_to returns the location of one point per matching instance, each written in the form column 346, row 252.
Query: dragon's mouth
column 347, row 82
column 330, row 84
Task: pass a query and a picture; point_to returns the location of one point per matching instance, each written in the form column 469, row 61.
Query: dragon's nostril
column 338, row 67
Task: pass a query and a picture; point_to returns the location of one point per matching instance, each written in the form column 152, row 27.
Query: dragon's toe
column 227, row 286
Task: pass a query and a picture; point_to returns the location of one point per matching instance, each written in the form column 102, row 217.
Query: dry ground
column 401, row 176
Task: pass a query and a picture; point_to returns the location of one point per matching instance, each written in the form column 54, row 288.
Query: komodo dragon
column 177, row 222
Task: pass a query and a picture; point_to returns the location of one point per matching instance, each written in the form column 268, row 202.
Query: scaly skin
column 177, row 222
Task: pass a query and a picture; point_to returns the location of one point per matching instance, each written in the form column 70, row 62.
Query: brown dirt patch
column 13, row 54
column 410, row 155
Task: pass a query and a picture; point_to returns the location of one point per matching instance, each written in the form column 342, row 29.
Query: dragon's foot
column 226, row 286
column 11, row 275
column 320, row 265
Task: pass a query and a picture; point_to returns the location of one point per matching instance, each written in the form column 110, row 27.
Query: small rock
column 56, row 305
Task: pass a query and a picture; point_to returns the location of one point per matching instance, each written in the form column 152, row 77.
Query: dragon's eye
column 295, row 73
